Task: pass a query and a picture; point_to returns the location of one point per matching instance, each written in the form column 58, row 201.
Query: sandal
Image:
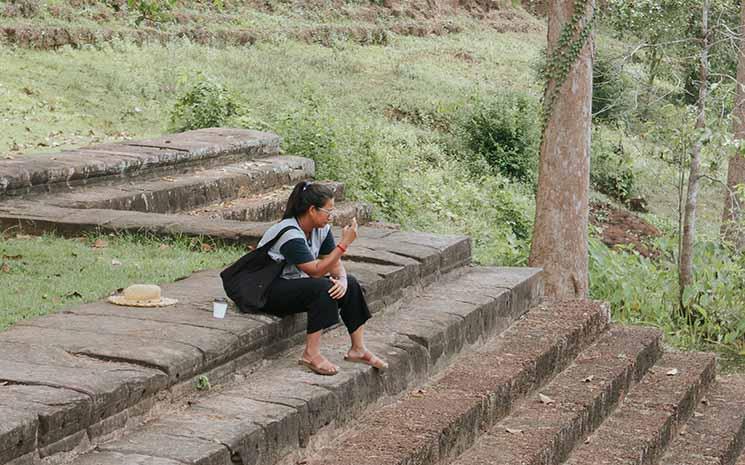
column 368, row 358
column 314, row 366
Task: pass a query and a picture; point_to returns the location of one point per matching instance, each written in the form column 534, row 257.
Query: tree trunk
column 559, row 243
column 689, row 219
column 733, row 203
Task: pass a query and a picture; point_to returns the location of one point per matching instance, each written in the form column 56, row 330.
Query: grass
column 39, row 275
column 54, row 100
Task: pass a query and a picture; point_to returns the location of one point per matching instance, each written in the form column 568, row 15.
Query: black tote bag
column 247, row 281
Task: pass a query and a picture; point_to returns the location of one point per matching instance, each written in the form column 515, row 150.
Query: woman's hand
column 349, row 233
column 339, row 288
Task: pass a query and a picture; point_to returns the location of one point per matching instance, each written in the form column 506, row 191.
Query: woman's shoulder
column 292, row 233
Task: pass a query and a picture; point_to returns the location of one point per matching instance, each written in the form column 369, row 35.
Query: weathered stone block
column 17, row 433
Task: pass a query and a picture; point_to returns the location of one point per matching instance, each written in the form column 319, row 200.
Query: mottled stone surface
column 103, row 359
column 186, row 191
column 17, row 433
column 581, row 397
column 651, row 414
column 716, row 432
column 443, row 417
column 117, row 458
column 271, row 412
column 43, row 172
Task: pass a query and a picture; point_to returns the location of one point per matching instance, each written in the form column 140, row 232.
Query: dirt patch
column 621, row 227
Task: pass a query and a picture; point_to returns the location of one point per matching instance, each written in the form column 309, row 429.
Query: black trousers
column 289, row 296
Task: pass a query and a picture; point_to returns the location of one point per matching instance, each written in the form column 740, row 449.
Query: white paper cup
column 219, row 308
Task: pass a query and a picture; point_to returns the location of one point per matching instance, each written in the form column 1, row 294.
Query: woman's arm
column 338, row 271
column 320, row 267
column 331, row 263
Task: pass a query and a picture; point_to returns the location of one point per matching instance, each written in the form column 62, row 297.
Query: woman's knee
column 352, row 281
column 321, row 288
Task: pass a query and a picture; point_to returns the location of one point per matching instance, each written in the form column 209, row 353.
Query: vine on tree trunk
column 562, row 58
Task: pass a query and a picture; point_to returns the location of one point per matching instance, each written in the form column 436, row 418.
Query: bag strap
column 274, row 240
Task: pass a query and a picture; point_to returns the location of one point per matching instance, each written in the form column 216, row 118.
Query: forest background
column 430, row 112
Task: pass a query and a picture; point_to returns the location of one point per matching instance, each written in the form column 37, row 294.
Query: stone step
column 544, row 430
column 263, row 415
column 168, row 154
column 95, row 367
column 36, row 218
column 266, row 206
column 270, row 206
column 714, row 435
column 187, row 191
column 649, row 417
column 443, row 418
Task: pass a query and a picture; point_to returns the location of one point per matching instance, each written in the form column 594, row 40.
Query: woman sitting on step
column 314, row 279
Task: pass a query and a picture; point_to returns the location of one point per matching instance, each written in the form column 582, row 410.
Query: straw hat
column 141, row 295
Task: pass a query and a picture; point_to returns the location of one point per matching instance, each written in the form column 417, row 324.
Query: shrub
column 25, row 8
column 644, row 291
column 410, row 179
column 610, row 95
column 611, row 169
column 152, row 10
column 206, row 104
column 505, row 131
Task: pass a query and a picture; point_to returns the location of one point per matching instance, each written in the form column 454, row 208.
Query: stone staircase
column 481, row 371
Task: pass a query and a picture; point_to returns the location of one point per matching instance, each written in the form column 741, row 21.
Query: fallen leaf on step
column 513, row 430
column 672, row 372
column 545, row 399
column 589, row 378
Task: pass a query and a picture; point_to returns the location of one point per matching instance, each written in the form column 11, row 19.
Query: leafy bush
column 152, row 10
column 411, row 180
column 644, row 291
column 207, row 103
column 611, row 96
column 610, row 84
column 611, row 169
column 24, row 8
column 505, row 131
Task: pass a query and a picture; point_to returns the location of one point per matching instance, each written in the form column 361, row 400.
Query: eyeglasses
column 328, row 212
